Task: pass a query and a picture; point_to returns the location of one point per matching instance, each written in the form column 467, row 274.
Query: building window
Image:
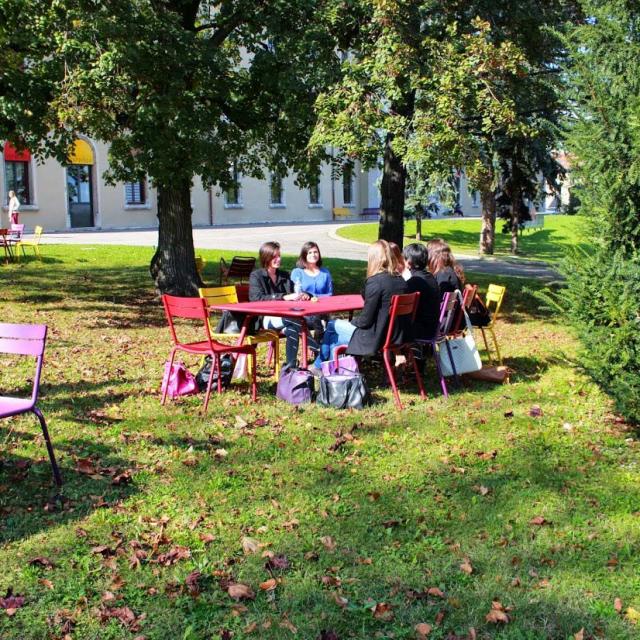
column 474, row 198
column 314, row 193
column 17, row 179
column 232, row 193
column 135, row 193
column 276, row 191
column 347, row 184
column 17, row 167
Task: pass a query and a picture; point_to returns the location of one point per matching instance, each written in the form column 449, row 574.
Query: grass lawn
column 340, row 524
column 560, row 232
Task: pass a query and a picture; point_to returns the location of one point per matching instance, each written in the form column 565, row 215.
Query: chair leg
column 52, row 458
column 443, row 382
column 410, row 357
column 276, row 357
column 486, row 345
column 209, row 382
column 495, row 342
column 164, row 391
column 254, row 386
column 392, row 379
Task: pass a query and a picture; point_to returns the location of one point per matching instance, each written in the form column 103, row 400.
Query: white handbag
column 463, row 351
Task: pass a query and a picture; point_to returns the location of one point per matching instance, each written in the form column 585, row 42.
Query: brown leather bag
column 499, row 375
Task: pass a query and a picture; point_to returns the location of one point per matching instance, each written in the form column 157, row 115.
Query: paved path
column 291, row 236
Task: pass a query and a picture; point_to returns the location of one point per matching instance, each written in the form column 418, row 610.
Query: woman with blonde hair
column 366, row 332
column 444, row 267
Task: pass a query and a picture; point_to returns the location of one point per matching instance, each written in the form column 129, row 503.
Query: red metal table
column 293, row 309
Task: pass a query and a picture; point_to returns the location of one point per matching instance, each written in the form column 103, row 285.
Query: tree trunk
column 516, row 199
column 173, row 266
column 394, row 176
column 488, row 229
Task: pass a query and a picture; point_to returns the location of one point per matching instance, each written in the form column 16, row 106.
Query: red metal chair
column 401, row 305
column 27, row 340
column 196, row 309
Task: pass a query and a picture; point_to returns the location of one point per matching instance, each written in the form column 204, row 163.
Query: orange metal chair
column 196, row 309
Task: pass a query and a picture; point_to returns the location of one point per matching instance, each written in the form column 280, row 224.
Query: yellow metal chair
column 493, row 302
column 229, row 295
column 37, row 234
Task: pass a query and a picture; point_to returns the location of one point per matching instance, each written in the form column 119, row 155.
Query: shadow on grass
column 28, row 487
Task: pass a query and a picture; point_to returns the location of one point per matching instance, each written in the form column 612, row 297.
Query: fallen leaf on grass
column 287, row 624
column 328, row 635
column 280, row 562
column 269, row 585
column 498, row 613
column 535, row 411
column 121, row 478
column 632, row 615
column 579, row 635
column 328, row 542
column 239, row 591
column 46, row 583
column 422, row 630
column 383, row 611
column 617, row 605
column 241, row 423
column 434, row 591
column 250, row 545
column 193, row 583
column 41, row 561
column 11, row 603
column 174, row 555
column 539, row 521
column 481, row 489
column 123, row 614
column 466, row 567
column 207, row 537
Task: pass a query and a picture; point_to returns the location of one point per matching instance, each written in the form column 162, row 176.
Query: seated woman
column 398, row 260
column 272, row 283
column 448, row 273
column 425, row 324
column 312, row 277
column 366, row 332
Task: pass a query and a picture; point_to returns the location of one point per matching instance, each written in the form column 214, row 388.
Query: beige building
column 75, row 196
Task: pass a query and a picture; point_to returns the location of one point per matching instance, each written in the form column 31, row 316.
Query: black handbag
column 226, row 368
column 344, row 391
column 479, row 315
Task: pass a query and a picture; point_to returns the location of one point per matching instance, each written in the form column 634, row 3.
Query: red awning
column 13, row 155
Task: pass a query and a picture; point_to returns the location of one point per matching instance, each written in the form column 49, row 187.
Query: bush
column 602, row 300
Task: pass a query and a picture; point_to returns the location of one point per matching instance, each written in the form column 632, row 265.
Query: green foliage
column 602, row 301
column 603, row 131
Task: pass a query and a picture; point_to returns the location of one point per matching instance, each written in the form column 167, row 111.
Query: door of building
column 80, row 195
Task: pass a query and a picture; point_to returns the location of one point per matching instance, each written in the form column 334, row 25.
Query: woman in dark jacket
column 444, row 267
column 425, row 324
column 365, row 333
column 272, row 283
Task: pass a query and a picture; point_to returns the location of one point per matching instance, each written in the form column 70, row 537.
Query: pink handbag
column 178, row 380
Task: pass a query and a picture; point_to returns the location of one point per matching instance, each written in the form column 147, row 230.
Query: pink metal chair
column 445, row 321
column 17, row 231
column 401, row 305
column 27, row 340
column 196, row 309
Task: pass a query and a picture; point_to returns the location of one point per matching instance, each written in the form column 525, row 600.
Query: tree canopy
column 180, row 89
